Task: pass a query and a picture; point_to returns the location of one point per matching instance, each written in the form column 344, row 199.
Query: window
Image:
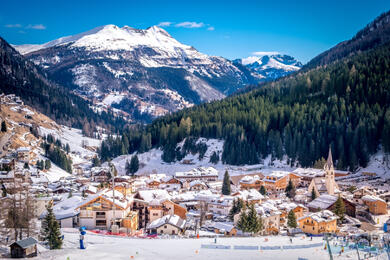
column 101, row 222
column 100, row 214
column 165, row 226
column 313, row 228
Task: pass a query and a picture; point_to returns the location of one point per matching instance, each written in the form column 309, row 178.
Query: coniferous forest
column 344, row 104
column 20, row 77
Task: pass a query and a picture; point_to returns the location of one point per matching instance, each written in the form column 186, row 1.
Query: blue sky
column 232, row 29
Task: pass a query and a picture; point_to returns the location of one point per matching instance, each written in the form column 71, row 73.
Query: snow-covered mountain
column 146, row 72
column 270, row 65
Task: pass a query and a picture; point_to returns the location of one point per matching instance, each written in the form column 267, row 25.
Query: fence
column 286, row 247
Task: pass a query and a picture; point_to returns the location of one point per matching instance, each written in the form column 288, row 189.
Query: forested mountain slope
column 21, row 77
column 345, row 105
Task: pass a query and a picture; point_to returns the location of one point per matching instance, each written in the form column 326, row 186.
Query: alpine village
column 115, row 145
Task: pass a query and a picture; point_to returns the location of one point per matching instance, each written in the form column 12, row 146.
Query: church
column 327, row 184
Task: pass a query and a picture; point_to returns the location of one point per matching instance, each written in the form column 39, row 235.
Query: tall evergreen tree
column 290, row 190
column 226, row 189
column 134, row 165
column 51, row 229
column 313, row 194
column 291, row 219
column 339, row 209
column 262, row 190
column 3, row 126
column 254, row 222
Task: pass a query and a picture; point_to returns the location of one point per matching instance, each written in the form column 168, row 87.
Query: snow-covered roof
column 372, row 198
column 250, row 194
column 309, row 172
column 174, row 220
column 199, row 172
column 321, row 216
column 149, row 195
column 222, row 226
column 67, row 208
column 197, row 182
column 324, row 201
column 249, row 179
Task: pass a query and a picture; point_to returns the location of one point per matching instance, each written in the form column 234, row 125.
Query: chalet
column 7, row 177
column 201, row 173
column 23, row 154
column 277, row 181
column 197, row 185
column 327, row 202
column 170, row 183
column 153, row 204
column 105, row 209
column 220, row 205
column 251, row 182
column 168, row 224
column 224, row 229
column 270, row 215
column 100, row 174
column 285, row 208
column 376, row 206
column 24, row 248
column 317, row 223
column 7, row 164
column 251, row 196
column 153, row 184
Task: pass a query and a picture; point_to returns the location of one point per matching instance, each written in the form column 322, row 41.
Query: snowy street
column 104, row 247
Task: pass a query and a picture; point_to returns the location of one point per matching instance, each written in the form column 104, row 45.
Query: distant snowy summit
column 270, row 65
column 153, row 72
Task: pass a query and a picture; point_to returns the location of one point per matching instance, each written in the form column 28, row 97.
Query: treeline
column 20, row 77
column 57, row 152
column 345, row 105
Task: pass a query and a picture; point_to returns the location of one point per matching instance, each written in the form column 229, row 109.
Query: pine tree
column 242, row 223
column 134, row 165
column 236, row 208
column 290, row 190
column 214, row 158
column 254, row 222
column 3, row 127
column 47, row 164
column 50, row 229
column 263, row 191
column 25, row 166
column 291, row 219
column 226, row 190
column 319, row 164
column 3, row 189
column 128, row 167
column 339, row 209
column 313, row 194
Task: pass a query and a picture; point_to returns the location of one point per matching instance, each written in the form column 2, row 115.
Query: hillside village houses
column 191, row 201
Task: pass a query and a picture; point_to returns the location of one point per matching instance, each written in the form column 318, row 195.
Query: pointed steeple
column 329, row 162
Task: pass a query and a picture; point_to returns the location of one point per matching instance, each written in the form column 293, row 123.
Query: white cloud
column 264, row 53
column 164, row 24
column 211, row 28
column 17, row 25
column 36, row 26
column 190, row 25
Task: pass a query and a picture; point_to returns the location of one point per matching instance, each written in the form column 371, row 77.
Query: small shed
column 24, row 248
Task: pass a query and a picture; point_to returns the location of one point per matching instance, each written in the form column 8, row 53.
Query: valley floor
column 105, row 247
